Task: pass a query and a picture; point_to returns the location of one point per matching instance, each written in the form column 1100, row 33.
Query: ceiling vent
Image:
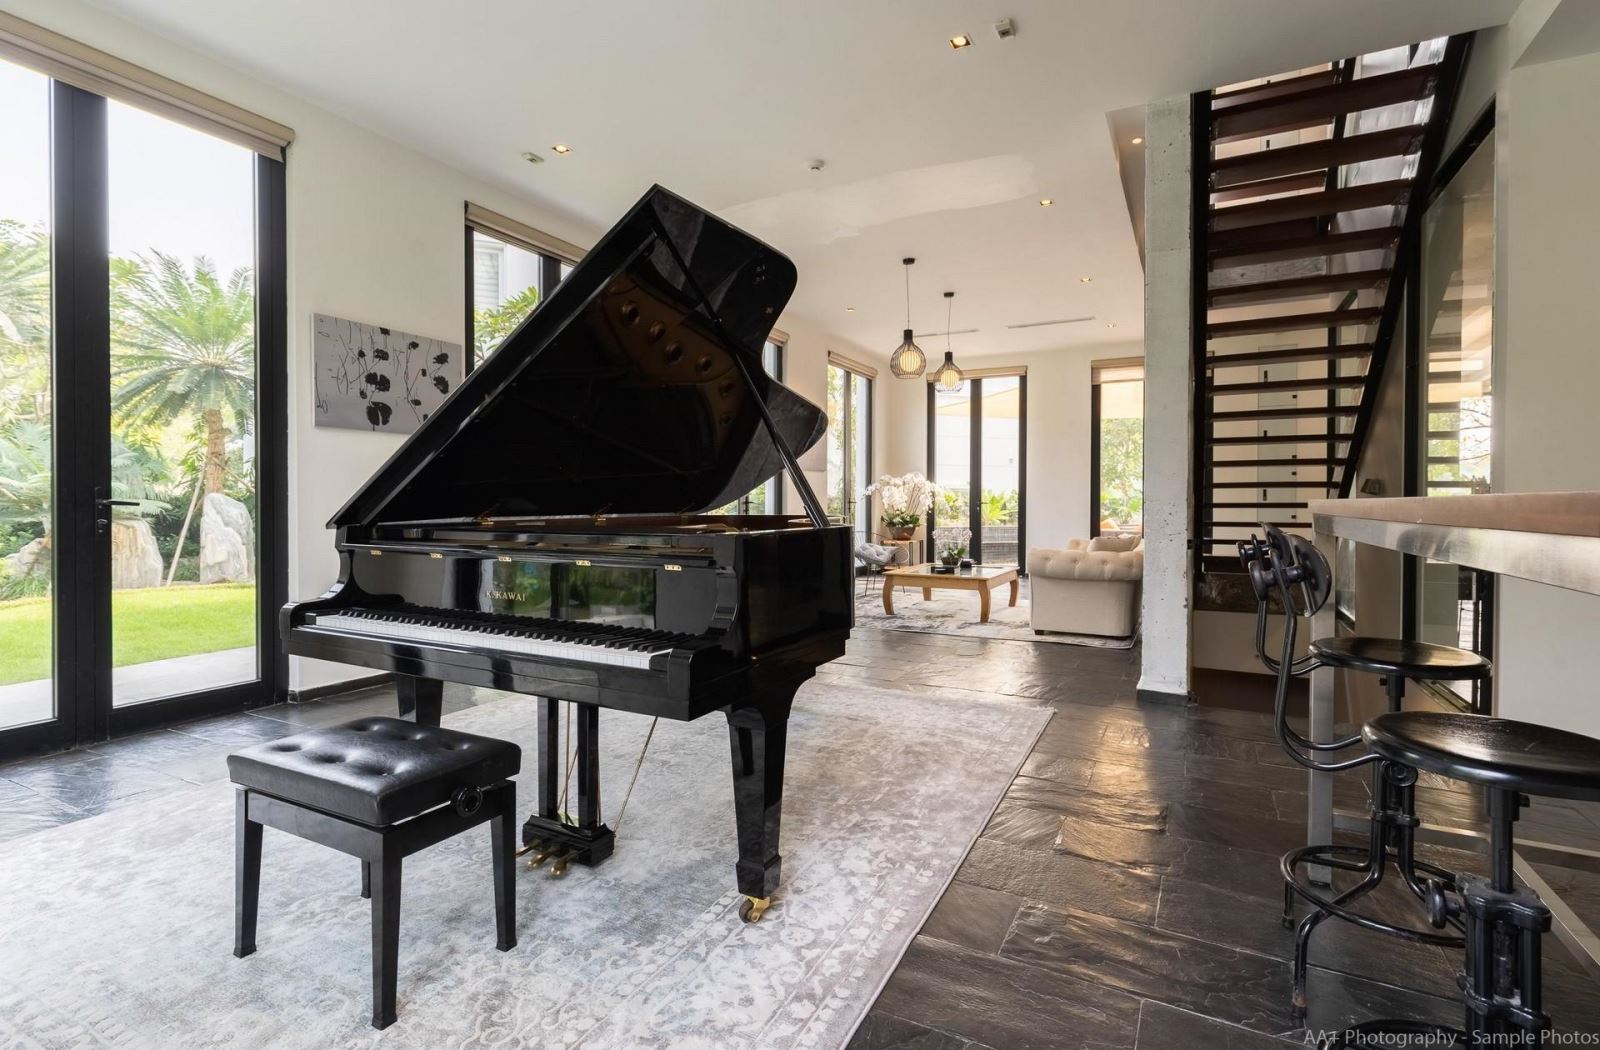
column 1005, row 29
column 1044, row 324
column 958, row 331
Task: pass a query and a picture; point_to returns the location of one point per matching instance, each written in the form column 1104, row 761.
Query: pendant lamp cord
column 949, row 305
column 908, row 296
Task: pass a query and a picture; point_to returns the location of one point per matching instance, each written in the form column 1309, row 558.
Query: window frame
column 854, row 373
column 974, row 522
column 1096, row 381
column 549, row 276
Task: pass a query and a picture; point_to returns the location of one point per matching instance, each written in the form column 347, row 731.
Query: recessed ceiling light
column 959, row 41
column 1111, row 324
column 1137, row 140
column 562, row 148
column 1085, row 280
column 1045, row 202
column 849, row 309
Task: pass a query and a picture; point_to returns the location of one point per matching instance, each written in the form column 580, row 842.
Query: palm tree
column 24, row 322
column 184, row 341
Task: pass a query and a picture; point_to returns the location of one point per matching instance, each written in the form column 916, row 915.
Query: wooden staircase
column 1308, row 197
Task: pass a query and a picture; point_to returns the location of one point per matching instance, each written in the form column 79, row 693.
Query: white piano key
column 424, row 634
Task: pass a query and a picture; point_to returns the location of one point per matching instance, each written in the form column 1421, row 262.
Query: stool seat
column 376, row 771
column 1495, row 752
column 1391, row 656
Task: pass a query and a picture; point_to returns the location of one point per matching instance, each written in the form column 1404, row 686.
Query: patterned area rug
column 117, row 930
column 956, row 612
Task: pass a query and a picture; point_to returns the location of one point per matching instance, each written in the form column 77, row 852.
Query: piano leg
column 547, row 834
column 758, row 733
column 421, row 699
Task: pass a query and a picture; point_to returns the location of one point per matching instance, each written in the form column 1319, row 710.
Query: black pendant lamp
column 948, row 377
column 908, row 360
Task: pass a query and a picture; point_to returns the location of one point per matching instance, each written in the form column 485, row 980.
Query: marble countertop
column 1548, row 513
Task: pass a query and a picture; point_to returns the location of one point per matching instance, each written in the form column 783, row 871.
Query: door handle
column 102, row 507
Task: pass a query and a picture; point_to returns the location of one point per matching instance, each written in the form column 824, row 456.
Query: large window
column 766, row 498
column 977, row 451
column 507, row 276
column 1116, row 503
column 849, row 445
column 1456, row 395
column 141, row 417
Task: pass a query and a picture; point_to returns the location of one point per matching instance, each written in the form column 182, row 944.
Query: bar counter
column 1546, row 537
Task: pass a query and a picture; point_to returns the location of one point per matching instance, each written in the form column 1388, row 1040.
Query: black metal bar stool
column 1504, row 923
column 1293, row 568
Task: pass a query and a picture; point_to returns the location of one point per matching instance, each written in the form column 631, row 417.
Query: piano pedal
column 529, row 848
column 562, row 859
column 753, row 908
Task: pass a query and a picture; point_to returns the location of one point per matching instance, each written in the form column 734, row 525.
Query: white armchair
column 1090, row 587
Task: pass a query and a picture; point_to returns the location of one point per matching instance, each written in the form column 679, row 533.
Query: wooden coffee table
column 980, row 578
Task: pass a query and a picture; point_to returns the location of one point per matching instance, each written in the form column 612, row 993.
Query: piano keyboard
column 583, row 641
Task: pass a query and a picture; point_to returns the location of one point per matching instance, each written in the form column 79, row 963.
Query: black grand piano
column 547, row 530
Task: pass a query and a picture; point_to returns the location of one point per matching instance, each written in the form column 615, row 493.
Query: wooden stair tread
column 1295, row 287
column 1296, row 183
column 1293, row 483
column 1282, row 461
column 1320, row 103
column 1221, row 100
column 1286, row 413
column 1273, row 386
column 1280, row 357
column 1294, row 322
column 1291, row 439
column 1328, row 153
column 1311, row 205
column 1307, row 247
column 1262, row 504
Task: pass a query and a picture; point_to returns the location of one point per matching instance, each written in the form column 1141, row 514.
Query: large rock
column 135, row 559
column 227, row 541
column 33, row 559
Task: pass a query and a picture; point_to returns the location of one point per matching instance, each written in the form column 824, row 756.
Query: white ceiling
column 929, row 152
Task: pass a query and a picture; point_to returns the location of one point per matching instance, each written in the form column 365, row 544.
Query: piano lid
column 621, row 393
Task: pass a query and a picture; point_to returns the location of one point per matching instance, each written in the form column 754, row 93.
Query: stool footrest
column 1330, row 856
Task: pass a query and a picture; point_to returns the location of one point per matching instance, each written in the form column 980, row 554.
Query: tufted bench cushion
column 378, row 771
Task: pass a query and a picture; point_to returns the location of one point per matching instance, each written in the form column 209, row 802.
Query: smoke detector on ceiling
column 1005, row 29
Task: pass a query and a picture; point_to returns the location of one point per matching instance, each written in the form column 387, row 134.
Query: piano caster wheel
column 559, row 868
column 753, row 908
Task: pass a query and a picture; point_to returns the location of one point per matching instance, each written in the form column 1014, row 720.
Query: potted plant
column 905, row 498
column 951, row 547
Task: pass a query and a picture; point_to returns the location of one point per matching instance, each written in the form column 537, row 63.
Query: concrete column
column 1168, row 401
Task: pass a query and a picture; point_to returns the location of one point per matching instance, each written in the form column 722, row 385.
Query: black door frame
column 80, row 292
column 974, row 522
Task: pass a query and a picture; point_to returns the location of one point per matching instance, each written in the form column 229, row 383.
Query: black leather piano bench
column 379, row 789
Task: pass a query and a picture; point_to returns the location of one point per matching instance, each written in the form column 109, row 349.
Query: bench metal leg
column 366, row 880
column 385, row 936
column 503, row 841
column 246, row 877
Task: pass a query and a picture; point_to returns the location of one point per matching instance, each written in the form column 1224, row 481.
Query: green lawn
column 151, row 624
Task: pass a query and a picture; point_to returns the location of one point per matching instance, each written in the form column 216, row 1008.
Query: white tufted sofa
column 1091, row 587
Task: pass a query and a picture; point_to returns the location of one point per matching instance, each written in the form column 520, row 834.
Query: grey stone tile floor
column 1124, row 894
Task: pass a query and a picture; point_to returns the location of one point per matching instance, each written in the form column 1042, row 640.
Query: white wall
column 374, row 234
column 1547, row 366
column 1058, row 436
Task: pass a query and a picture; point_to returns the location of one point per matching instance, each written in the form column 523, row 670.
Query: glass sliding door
column 142, row 431
column 766, row 498
column 184, row 387
column 849, row 447
column 1000, row 449
column 977, row 452
column 27, row 519
column 950, row 464
column 1457, row 394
